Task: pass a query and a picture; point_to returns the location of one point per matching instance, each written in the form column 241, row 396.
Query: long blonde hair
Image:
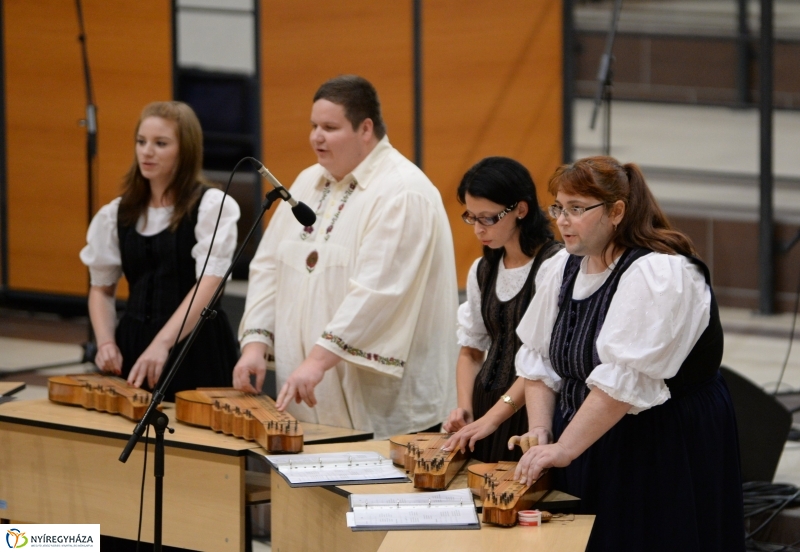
column 185, row 188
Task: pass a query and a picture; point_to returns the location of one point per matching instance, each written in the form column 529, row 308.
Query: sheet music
column 436, row 510
column 336, row 468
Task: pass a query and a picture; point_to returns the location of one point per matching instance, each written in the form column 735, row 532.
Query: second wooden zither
column 99, row 392
column 250, row 417
column 502, row 496
column 422, row 457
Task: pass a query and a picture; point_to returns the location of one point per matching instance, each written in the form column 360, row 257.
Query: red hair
column 644, row 223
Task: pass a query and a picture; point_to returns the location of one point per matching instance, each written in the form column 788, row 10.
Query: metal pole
column 569, row 81
column 3, row 173
column 766, row 243
column 743, row 55
column 418, row 118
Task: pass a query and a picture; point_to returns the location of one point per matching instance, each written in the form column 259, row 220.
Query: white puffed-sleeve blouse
column 661, row 307
column 102, row 255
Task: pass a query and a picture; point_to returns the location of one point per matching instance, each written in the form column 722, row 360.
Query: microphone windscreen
column 304, row 214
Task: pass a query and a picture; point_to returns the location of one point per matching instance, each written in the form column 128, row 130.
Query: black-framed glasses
column 577, row 212
column 469, row 218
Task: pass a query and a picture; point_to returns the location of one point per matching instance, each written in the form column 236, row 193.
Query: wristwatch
column 510, row 402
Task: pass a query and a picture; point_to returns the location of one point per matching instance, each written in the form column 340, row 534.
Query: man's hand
column 301, row 383
column 252, row 361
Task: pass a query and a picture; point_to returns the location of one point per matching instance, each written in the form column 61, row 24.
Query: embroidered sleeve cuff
column 629, row 386
column 533, row 366
column 379, row 363
column 258, row 335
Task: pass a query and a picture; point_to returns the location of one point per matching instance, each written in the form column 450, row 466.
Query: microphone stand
column 90, row 122
column 605, row 78
column 158, row 419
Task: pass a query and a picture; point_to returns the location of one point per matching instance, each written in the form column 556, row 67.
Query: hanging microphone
column 301, row 211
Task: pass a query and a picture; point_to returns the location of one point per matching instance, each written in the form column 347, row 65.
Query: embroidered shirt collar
column 364, row 171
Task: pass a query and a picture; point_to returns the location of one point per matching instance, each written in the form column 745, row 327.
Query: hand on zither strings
column 458, row 418
column 109, row 358
column 470, row 434
column 537, row 458
column 149, row 365
column 300, row 386
column 301, row 383
column 252, row 362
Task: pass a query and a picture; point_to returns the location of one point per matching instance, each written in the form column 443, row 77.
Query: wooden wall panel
column 493, row 86
column 130, row 53
column 306, row 42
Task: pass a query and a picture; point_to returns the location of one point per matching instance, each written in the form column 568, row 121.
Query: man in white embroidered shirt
column 359, row 310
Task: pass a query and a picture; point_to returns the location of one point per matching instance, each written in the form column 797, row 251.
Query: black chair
column 763, row 425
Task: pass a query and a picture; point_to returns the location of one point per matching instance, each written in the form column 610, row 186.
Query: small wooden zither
column 502, row 496
column 250, row 417
column 422, row 456
column 99, row 392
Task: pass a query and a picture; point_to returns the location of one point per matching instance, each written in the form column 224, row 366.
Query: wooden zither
column 422, row 456
column 250, row 417
column 502, row 496
column 99, row 392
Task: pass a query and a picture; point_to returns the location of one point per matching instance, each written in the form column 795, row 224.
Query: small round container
column 529, row 518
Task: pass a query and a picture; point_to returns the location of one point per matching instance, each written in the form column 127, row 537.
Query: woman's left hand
column 538, row 459
column 149, row 365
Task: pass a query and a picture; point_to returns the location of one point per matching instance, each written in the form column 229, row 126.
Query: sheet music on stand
column 413, row 511
column 336, row 468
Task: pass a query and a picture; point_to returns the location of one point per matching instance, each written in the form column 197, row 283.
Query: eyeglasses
column 469, row 218
column 577, row 212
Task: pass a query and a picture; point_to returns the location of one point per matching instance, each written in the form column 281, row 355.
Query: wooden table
column 313, row 518
column 60, row 464
column 8, row 388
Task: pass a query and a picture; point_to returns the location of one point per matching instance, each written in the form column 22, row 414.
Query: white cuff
column 105, row 275
column 480, row 342
column 629, row 386
column 533, row 366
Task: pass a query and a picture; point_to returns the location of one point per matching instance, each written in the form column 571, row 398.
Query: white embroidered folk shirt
column 660, row 309
column 374, row 282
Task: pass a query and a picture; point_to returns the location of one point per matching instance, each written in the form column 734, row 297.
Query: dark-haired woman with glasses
column 500, row 198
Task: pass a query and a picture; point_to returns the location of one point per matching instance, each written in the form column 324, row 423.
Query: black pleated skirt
column 667, row 479
column 209, row 361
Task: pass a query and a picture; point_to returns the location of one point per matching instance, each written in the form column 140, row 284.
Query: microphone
column 301, row 211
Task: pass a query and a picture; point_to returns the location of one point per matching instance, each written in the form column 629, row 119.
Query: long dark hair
column 505, row 181
column 644, row 223
column 185, row 188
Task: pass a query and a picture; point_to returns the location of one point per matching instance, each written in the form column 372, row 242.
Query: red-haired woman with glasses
column 621, row 352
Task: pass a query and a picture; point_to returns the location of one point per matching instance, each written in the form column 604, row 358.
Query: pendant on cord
column 311, row 261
